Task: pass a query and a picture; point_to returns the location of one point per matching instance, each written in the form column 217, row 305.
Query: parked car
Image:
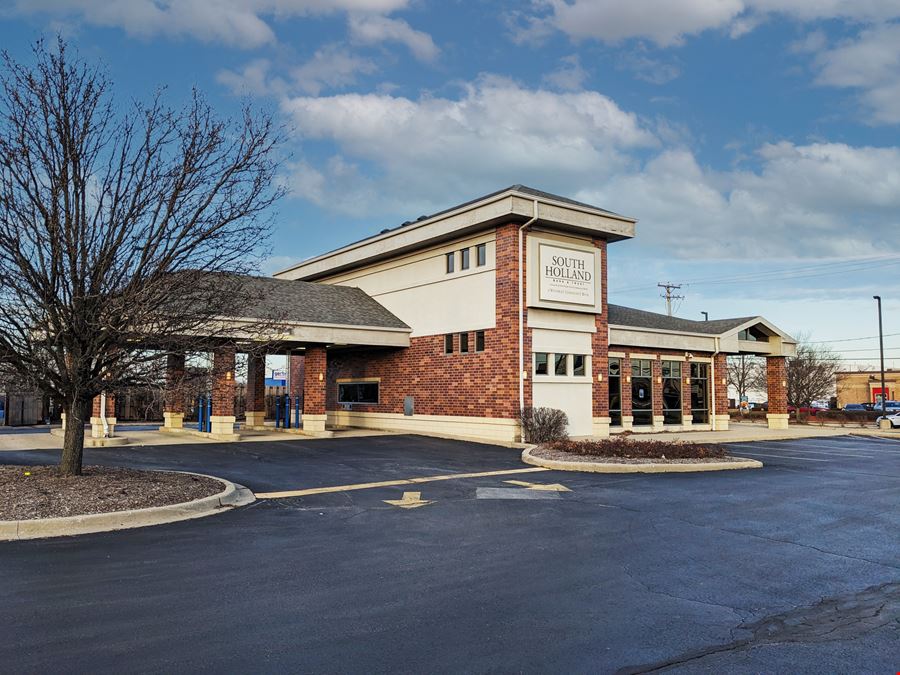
column 855, row 407
column 804, row 410
column 894, row 419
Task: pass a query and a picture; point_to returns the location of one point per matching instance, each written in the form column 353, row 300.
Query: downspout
column 521, row 312
column 712, row 368
column 103, row 414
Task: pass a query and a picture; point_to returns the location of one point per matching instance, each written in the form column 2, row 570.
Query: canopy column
column 776, row 387
column 222, row 418
column 315, row 363
column 173, row 405
column 103, row 418
column 256, row 391
column 720, row 387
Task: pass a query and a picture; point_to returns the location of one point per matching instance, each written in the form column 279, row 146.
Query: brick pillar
column 776, row 386
column 295, row 375
column 222, row 418
column 627, row 414
column 98, row 415
column 600, row 356
column 256, row 391
column 314, row 371
column 173, row 405
column 656, row 395
column 507, row 324
column 722, row 419
column 687, row 417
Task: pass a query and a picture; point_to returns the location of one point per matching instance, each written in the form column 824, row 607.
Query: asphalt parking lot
column 791, row 568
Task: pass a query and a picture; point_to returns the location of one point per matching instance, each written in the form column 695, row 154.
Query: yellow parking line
column 392, row 483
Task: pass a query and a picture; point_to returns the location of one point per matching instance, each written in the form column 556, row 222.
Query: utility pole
column 881, row 350
column 669, row 296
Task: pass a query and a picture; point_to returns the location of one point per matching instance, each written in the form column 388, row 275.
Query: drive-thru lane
column 635, row 572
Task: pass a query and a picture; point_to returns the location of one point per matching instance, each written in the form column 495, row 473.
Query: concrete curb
column 658, row 467
column 232, row 496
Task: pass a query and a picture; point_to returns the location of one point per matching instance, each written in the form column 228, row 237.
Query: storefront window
column 671, row 383
column 357, row 392
column 642, row 392
column 700, row 393
column 615, row 392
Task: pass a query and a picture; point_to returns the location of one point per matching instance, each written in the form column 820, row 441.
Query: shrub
column 542, row 425
column 630, row 448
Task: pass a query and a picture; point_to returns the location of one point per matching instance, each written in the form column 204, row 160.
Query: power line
column 803, row 272
column 870, row 337
column 669, row 287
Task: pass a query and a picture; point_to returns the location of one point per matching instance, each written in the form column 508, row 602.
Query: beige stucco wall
column 418, row 290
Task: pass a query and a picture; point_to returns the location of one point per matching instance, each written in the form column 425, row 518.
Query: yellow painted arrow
column 551, row 487
column 411, row 500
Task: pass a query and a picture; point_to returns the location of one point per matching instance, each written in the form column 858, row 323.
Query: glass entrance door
column 700, row 393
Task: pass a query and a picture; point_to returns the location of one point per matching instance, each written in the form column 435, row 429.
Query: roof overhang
column 779, row 343
column 505, row 207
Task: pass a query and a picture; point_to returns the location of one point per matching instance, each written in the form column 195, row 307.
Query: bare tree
column 745, row 374
column 811, row 374
column 123, row 235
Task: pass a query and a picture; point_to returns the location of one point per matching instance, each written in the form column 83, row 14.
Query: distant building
column 865, row 387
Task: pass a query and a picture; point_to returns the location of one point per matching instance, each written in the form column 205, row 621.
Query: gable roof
column 638, row 318
column 309, row 302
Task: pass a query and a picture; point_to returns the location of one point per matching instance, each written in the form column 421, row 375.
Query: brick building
column 865, row 386
column 504, row 300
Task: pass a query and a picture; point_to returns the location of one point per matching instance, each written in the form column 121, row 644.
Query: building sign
column 567, row 275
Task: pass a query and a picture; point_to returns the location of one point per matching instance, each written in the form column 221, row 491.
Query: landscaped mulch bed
column 625, row 450
column 29, row 492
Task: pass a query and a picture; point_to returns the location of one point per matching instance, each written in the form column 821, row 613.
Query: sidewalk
column 35, row 439
column 745, row 432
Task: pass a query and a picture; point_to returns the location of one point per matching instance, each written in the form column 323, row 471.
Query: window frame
column 464, row 259
column 463, row 343
column 376, row 383
column 480, row 255
column 451, row 262
column 479, row 340
column 448, row 343
column 584, row 365
column 546, row 363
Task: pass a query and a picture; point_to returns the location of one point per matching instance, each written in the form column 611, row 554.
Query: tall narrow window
column 479, row 340
column 615, row 392
column 700, row 393
column 541, row 360
column 463, row 343
column 464, row 259
column 671, row 391
column 448, row 343
column 481, row 255
column 561, row 364
column 450, row 262
column 642, row 392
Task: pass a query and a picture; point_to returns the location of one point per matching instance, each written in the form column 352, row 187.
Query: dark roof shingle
column 638, row 318
column 309, row 302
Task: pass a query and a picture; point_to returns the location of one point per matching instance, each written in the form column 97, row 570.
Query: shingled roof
column 638, row 318
column 309, row 302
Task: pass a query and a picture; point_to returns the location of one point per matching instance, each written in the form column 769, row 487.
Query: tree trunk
column 73, row 439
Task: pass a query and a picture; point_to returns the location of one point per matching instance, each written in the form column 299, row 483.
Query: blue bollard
column 297, row 413
column 287, row 412
column 277, row 412
column 209, row 415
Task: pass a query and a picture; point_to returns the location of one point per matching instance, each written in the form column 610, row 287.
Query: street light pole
column 881, row 350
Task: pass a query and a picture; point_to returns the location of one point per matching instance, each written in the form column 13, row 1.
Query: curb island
column 590, row 466
column 232, row 496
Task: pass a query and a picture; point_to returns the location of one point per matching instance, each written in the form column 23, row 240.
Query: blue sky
column 756, row 141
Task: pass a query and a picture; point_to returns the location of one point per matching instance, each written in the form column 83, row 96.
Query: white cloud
column 668, row 23
column 805, row 201
column 240, row 23
column 496, row 132
column 647, row 68
column 372, row 29
column 570, row 76
column 331, row 67
column 871, row 63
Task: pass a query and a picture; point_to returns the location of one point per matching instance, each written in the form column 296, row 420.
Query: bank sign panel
column 567, row 275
